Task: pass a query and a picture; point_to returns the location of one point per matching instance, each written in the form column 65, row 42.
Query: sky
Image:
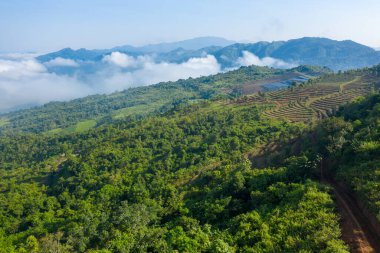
column 32, row 27
column 47, row 25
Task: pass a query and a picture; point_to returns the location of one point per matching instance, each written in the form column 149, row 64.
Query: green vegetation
column 191, row 178
column 356, row 149
column 174, row 182
column 143, row 109
column 84, row 125
column 77, row 128
column 3, row 122
column 349, row 143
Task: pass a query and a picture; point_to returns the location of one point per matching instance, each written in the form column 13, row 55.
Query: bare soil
column 357, row 230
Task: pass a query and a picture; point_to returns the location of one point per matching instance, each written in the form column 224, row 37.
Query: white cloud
column 18, row 56
column 251, row 59
column 150, row 72
column 14, row 69
column 25, row 82
column 121, row 60
column 207, row 63
column 62, row 62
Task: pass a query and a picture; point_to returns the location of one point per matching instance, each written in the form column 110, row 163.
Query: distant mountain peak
column 189, row 44
column 66, row 49
column 337, row 55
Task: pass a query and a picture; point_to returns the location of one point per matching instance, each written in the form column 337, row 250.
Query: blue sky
column 45, row 25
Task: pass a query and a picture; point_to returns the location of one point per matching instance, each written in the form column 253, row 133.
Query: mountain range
column 337, row 55
column 190, row 46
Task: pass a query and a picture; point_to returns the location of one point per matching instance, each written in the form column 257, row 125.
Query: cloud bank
column 123, row 60
column 146, row 71
column 61, row 62
column 25, row 82
column 251, row 59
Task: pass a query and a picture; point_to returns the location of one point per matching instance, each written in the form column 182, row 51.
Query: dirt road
column 357, row 231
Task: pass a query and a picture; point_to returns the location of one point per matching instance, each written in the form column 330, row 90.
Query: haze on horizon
column 43, row 25
column 31, row 28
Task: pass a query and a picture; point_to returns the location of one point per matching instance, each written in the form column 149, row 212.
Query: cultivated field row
column 305, row 103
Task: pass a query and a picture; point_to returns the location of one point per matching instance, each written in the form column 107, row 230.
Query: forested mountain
column 238, row 173
column 189, row 47
column 337, row 55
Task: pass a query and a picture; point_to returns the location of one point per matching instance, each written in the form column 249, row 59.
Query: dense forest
column 358, row 156
column 189, row 179
column 178, row 182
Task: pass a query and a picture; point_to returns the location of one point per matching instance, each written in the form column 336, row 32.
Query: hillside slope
column 318, row 98
column 138, row 102
column 176, row 182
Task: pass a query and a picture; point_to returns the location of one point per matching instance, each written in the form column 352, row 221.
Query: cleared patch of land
column 262, row 85
column 3, row 122
column 77, row 128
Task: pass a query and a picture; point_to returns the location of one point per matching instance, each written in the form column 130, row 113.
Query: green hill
column 192, row 178
column 174, row 182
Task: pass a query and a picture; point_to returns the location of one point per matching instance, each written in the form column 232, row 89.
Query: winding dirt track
column 357, row 231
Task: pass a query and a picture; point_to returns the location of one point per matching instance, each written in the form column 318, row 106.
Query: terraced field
column 288, row 111
column 313, row 101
